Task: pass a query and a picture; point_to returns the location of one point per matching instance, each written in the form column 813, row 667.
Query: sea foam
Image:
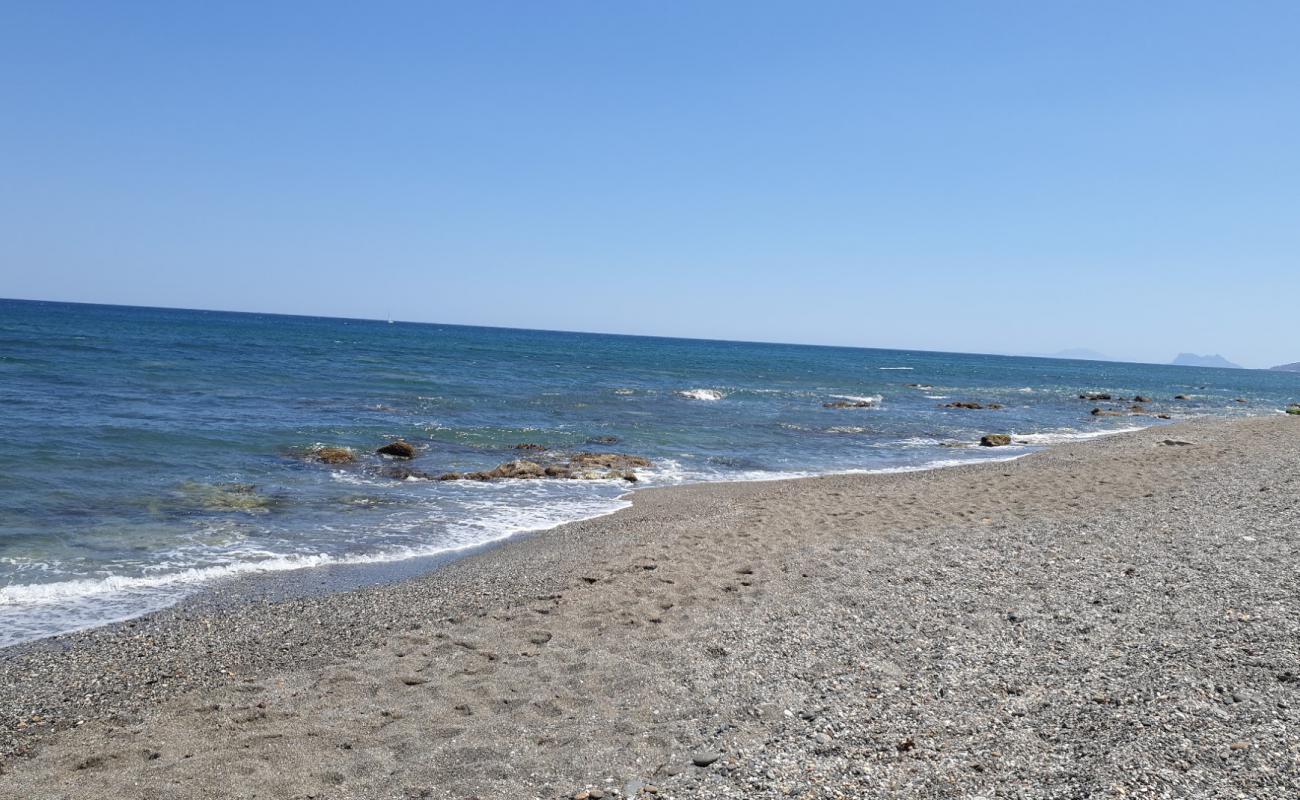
column 701, row 394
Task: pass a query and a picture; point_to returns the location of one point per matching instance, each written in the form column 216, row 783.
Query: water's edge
column 271, row 586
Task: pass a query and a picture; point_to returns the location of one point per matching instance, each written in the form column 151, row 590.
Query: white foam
column 701, row 394
column 856, row 398
column 671, row 472
column 937, row 396
column 943, row 463
column 36, row 610
column 1068, row 435
column 894, row 367
column 912, row 441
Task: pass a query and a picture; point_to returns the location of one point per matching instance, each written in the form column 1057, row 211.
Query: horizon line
column 1040, row 357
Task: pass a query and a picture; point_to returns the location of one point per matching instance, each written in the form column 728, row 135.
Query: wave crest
column 701, row 394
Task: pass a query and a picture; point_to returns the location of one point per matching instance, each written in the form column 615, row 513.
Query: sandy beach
column 1117, row 617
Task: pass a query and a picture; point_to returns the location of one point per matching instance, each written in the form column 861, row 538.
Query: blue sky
column 972, row 176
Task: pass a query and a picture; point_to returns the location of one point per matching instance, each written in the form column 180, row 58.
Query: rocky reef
column 578, row 466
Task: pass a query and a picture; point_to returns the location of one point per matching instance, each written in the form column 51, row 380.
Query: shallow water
column 144, row 452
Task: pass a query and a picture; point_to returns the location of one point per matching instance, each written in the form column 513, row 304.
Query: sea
column 148, row 453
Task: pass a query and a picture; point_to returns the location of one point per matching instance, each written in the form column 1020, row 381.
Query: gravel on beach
column 1118, row 617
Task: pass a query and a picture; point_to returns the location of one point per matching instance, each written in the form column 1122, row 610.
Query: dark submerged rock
column 399, row 448
column 406, row 473
column 995, row 440
column 1103, row 412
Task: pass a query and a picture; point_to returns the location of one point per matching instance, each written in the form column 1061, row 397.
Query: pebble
column 705, row 757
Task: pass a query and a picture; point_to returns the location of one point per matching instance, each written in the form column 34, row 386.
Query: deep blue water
column 144, row 452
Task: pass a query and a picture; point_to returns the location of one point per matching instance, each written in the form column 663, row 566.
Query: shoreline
column 252, row 582
column 515, row 603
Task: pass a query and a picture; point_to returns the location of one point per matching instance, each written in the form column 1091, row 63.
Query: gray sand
column 1109, row 618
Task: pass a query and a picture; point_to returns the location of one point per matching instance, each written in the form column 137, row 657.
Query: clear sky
column 975, row 176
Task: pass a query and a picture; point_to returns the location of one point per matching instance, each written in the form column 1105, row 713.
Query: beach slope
column 1111, row 617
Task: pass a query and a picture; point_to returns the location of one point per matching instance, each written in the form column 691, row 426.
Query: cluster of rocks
column 578, row 466
column 398, row 448
column 977, row 406
column 1131, row 411
column 1095, row 396
column 849, row 404
column 570, row 466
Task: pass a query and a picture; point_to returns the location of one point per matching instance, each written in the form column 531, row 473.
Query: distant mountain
column 1193, row 360
column 1287, row 367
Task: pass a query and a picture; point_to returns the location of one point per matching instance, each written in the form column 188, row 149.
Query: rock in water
column 335, row 455
column 398, row 449
column 407, row 474
column 609, row 460
column 583, row 466
column 518, row 469
column 995, row 440
column 1293, row 409
column 1101, row 412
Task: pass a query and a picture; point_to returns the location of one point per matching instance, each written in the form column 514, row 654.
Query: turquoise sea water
column 147, row 452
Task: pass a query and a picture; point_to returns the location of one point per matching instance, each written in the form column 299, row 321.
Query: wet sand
column 1107, row 618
